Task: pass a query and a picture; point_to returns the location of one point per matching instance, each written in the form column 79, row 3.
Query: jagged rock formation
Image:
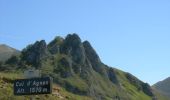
column 76, row 66
column 34, row 54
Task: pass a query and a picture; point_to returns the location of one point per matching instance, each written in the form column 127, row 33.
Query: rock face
column 76, row 66
column 94, row 59
column 147, row 89
column 112, row 75
column 34, row 54
column 73, row 47
column 54, row 46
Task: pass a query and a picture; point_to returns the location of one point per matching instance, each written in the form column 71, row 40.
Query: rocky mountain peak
column 76, row 66
column 91, row 53
column 73, row 40
column 34, row 53
column 73, row 47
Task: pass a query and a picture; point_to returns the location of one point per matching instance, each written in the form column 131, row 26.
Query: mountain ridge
column 6, row 52
column 163, row 87
column 75, row 66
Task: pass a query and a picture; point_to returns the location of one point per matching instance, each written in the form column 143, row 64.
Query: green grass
column 6, row 90
column 77, row 82
column 131, row 89
column 71, row 96
column 100, row 84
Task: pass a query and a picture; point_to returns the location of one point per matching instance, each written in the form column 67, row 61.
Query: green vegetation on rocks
column 78, row 71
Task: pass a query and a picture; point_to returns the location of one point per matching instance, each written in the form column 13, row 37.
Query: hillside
column 6, row 52
column 163, row 87
column 78, row 70
column 59, row 93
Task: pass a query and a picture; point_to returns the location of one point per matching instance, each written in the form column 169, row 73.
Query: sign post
column 33, row 84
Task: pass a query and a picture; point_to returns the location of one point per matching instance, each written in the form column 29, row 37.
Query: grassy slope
column 104, row 86
column 6, row 90
column 136, row 95
column 101, row 84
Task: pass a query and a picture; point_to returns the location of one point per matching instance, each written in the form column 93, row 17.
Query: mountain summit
column 75, row 66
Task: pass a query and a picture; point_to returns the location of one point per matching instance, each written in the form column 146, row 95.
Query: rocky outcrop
column 94, row 59
column 34, row 54
column 112, row 75
column 76, row 66
column 91, row 53
column 65, row 67
column 73, row 47
column 133, row 80
column 147, row 89
column 54, row 46
column 140, row 85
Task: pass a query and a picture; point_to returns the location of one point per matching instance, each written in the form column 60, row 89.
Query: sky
column 131, row 35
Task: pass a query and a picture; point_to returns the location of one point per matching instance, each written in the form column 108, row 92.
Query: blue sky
column 131, row 35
